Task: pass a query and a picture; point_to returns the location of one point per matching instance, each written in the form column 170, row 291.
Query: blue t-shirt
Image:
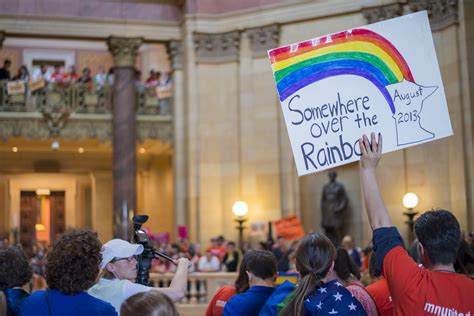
column 62, row 304
column 273, row 303
column 248, row 303
column 15, row 300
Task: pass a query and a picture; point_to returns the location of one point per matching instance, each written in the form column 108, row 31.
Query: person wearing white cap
column 119, row 271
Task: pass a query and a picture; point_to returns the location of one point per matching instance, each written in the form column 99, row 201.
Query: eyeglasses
column 129, row 259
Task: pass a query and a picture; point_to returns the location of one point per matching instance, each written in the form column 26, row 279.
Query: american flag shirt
column 332, row 298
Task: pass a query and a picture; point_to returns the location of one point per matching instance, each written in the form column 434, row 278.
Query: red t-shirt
column 219, row 252
column 381, row 295
column 419, row 291
column 216, row 306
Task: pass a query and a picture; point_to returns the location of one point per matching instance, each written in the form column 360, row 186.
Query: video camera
column 149, row 253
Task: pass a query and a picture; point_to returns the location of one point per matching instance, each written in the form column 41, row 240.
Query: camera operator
column 119, row 271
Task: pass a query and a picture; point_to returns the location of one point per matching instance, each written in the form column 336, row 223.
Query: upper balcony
column 40, row 110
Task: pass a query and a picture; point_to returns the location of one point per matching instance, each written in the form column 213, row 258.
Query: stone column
column 175, row 52
column 124, row 51
column 2, row 38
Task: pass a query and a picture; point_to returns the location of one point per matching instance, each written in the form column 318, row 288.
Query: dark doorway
column 42, row 217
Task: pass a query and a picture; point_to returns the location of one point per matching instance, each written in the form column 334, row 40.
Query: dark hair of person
column 23, row 67
column 314, row 258
column 373, row 270
column 439, row 233
column 7, row 61
column 242, row 281
column 262, row 263
column 345, row 266
column 231, row 243
column 73, row 262
column 464, row 259
column 15, row 269
column 152, row 303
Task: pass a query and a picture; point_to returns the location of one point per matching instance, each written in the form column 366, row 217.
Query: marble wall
column 231, row 142
column 239, row 146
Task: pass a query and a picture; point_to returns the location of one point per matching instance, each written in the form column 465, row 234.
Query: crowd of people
column 58, row 75
column 86, row 278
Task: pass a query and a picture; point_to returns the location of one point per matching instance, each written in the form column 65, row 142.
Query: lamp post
column 410, row 201
column 240, row 209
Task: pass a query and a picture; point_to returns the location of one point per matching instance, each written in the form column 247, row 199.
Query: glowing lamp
column 240, row 208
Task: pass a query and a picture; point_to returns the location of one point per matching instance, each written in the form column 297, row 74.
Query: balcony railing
column 74, row 111
column 79, row 98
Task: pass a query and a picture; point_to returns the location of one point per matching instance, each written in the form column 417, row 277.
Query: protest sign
column 16, row 87
column 289, row 228
column 381, row 78
column 38, row 84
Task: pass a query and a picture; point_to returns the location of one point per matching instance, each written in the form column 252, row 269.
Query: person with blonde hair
column 119, row 272
column 148, row 304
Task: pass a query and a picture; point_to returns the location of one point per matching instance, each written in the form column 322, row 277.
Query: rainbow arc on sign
column 358, row 52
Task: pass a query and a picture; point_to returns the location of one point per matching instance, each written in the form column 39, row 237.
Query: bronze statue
column 333, row 204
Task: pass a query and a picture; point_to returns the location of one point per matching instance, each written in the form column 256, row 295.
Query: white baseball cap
column 118, row 248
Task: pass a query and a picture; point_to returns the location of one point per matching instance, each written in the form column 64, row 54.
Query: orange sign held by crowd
column 289, row 228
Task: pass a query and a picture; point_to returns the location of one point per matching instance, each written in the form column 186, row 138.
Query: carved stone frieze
column 152, row 130
column 175, row 51
column 383, row 12
column 263, row 38
column 442, row 13
column 124, row 50
column 217, row 48
column 76, row 129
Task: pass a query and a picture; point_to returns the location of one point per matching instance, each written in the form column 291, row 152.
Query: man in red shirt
column 435, row 289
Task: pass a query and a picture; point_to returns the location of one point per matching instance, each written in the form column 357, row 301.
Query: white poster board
column 382, row 77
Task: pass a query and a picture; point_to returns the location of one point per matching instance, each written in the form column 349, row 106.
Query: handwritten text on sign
column 335, row 88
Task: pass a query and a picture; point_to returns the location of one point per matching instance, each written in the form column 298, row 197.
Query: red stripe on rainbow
column 362, row 35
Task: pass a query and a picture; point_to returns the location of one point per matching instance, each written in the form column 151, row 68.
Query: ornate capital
column 442, row 13
column 2, row 38
column 381, row 13
column 124, row 50
column 263, row 38
column 217, row 48
column 175, row 52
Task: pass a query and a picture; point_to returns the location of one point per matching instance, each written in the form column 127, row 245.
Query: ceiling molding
column 281, row 14
column 87, row 28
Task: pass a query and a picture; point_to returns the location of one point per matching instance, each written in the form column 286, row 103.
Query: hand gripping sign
column 383, row 77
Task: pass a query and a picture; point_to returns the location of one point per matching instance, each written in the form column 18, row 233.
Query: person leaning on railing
column 119, row 271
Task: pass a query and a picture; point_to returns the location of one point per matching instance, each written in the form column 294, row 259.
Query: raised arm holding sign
column 434, row 289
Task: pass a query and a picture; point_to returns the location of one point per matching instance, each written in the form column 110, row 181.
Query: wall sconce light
column 410, row 201
column 240, row 209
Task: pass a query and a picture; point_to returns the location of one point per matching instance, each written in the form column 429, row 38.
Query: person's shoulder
column 228, row 289
column 233, row 304
column 32, row 303
column 95, row 304
column 35, row 296
column 458, row 279
column 377, row 286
